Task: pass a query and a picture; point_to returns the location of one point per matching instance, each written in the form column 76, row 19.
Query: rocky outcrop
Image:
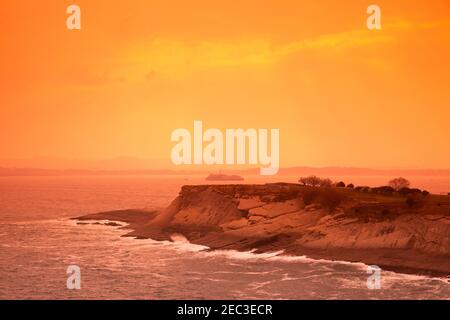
column 320, row 222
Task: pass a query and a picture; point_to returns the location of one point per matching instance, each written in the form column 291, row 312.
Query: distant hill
column 76, row 172
column 352, row 171
column 293, row 171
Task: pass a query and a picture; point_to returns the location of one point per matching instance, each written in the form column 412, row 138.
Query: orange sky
column 341, row 95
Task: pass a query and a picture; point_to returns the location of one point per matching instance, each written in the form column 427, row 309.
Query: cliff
column 329, row 223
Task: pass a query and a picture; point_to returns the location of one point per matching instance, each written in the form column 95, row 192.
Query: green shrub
column 309, row 196
column 331, row 198
column 340, row 184
column 414, row 200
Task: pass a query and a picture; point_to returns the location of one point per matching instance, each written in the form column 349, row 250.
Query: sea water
column 38, row 241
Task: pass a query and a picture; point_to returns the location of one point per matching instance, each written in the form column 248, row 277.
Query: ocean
column 38, row 241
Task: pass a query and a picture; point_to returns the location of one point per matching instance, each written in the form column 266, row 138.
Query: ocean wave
column 181, row 243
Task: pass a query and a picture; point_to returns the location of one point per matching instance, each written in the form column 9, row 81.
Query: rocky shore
column 322, row 223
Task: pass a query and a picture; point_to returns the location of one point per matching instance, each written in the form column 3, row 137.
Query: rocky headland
column 323, row 223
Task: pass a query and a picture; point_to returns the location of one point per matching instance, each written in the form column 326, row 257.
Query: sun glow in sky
column 340, row 94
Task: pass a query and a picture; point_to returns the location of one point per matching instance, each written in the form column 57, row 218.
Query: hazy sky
column 340, row 94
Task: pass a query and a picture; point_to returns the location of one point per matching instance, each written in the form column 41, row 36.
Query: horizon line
column 283, row 171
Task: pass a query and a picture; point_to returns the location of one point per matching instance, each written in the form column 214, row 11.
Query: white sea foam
column 181, row 243
column 279, row 256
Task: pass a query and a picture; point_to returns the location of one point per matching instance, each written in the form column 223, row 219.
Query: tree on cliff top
column 326, row 183
column 314, row 181
column 399, row 183
column 340, row 184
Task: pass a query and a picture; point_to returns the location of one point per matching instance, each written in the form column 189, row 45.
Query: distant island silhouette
column 224, row 177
